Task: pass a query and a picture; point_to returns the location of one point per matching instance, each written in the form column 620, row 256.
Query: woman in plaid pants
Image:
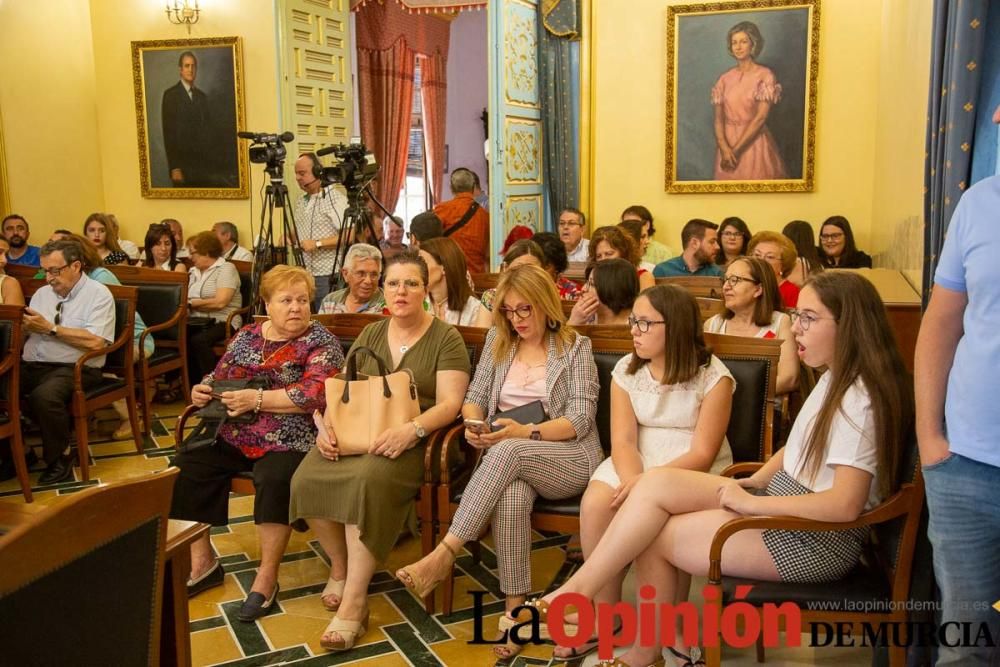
column 530, row 355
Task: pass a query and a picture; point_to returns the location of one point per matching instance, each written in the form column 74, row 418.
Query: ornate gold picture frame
column 741, row 96
column 189, row 105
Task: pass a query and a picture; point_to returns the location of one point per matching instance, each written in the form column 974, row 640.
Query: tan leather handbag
column 361, row 407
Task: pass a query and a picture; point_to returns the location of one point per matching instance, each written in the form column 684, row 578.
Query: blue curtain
column 959, row 32
column 558, row 61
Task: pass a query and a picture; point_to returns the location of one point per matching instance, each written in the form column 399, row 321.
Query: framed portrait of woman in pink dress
column 741, row 96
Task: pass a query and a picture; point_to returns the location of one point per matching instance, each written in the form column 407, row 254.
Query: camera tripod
column 265, row 253
column 356, row 227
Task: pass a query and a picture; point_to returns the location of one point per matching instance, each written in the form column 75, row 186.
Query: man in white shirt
column 318, row 216
column 229, row 237
column 68, row 317
column 571, row 224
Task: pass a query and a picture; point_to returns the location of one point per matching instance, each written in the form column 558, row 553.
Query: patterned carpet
column 401, row 632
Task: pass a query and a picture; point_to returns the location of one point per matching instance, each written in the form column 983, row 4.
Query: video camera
column 356, row 165
column 271, row 151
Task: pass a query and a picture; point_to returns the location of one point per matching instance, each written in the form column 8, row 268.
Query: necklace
column 404, row 347
column 264, row 357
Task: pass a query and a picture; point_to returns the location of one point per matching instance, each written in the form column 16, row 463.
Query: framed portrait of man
column 741, row 96
column 189, row 105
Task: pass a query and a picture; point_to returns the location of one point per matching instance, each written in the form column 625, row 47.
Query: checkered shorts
column 810, row 556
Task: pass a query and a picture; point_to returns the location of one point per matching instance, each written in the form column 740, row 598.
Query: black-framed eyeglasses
column 55, row 270
column 522, row 312
column 642, row 325
column 731, row 235
column 566, row 224
column 806, row 318
column 733, row 281
column 831, row 237
column 58, row 319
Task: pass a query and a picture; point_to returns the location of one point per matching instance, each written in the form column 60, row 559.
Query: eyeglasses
column 731, row 235
column 58, row 318
column 831, row 237
column 361, row 275
column 733, row 281
column 522, row 312
column 642, row 325
column 55, row 270
column 566, row 224
column 806, row 318
column 396, row 285
column 767, row 258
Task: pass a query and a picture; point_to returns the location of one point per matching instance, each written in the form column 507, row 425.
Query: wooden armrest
column 747, row 468
column 127, row 336
column 433, row 442
column 897, row 505
column 455, row 436
column 181, row 422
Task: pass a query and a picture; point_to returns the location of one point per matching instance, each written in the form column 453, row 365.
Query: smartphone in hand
column 478, row 426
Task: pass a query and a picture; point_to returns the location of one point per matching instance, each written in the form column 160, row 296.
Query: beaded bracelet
column 260, row 400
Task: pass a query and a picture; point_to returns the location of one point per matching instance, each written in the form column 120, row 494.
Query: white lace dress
column 667, row 415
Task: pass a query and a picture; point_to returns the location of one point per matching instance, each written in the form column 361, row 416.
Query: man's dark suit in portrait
column 188, row 138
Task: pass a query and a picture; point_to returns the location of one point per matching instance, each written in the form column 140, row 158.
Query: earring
column 552, row 325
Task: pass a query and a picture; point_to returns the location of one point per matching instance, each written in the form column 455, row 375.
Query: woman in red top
column 779, row 252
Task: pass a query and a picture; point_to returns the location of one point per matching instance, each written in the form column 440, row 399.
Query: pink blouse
column 523, row 385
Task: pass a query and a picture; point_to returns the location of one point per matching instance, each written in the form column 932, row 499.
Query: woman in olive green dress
column 357, row 505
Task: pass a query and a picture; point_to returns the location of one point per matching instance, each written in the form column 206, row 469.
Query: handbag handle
column 352, row 372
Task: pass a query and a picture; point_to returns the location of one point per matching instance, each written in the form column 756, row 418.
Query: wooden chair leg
column 185, row 386
column 133, row 416
column 82, row 445
column 475, row 549
column 146, row 388
column 425, row 511
column 17, row 451
column 897, row 656
column 760, row 648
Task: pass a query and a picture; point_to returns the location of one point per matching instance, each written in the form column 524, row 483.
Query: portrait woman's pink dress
column 738, row 93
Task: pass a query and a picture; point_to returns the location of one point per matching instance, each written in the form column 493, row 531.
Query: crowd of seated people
column 670, row 404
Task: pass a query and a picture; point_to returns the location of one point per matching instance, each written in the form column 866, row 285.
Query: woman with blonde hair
column 530, row 356
column 613, row 243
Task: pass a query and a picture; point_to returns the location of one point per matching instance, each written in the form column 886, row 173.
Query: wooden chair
column 881, row 581
column 120, row 361
column 708, row 286
column 485, row 281
column 21, row 272
column 708, row 307
column 10, row 388
column 245, row 270
column 162, row 303
column 99, row 557
column 753, row 363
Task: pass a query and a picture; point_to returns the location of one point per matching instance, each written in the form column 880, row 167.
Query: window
column 414, row 196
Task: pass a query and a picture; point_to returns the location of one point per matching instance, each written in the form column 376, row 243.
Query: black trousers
column 201, row 359
column 202, row 489
column 47, row 390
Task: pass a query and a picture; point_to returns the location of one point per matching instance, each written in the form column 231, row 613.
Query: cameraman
column 318, row 215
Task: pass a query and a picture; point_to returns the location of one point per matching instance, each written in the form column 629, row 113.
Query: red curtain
column 385, row 88
column 434, row 95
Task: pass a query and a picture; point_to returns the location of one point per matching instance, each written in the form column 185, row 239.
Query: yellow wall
column 628, row 131
column 48, row 97
column 72, row 102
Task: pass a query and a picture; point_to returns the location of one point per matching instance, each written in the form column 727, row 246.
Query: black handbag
column 529, row 413
column 214, row 414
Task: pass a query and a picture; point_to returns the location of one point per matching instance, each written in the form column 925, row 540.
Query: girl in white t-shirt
column 842, row 457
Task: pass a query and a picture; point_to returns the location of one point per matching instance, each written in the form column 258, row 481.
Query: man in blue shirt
column 15, row 229
column 957, row 378
column 700, row 241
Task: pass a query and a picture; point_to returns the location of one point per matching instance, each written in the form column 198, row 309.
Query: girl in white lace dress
column 670, row 405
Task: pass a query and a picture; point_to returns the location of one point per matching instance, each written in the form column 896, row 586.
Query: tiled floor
column 401, row 633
